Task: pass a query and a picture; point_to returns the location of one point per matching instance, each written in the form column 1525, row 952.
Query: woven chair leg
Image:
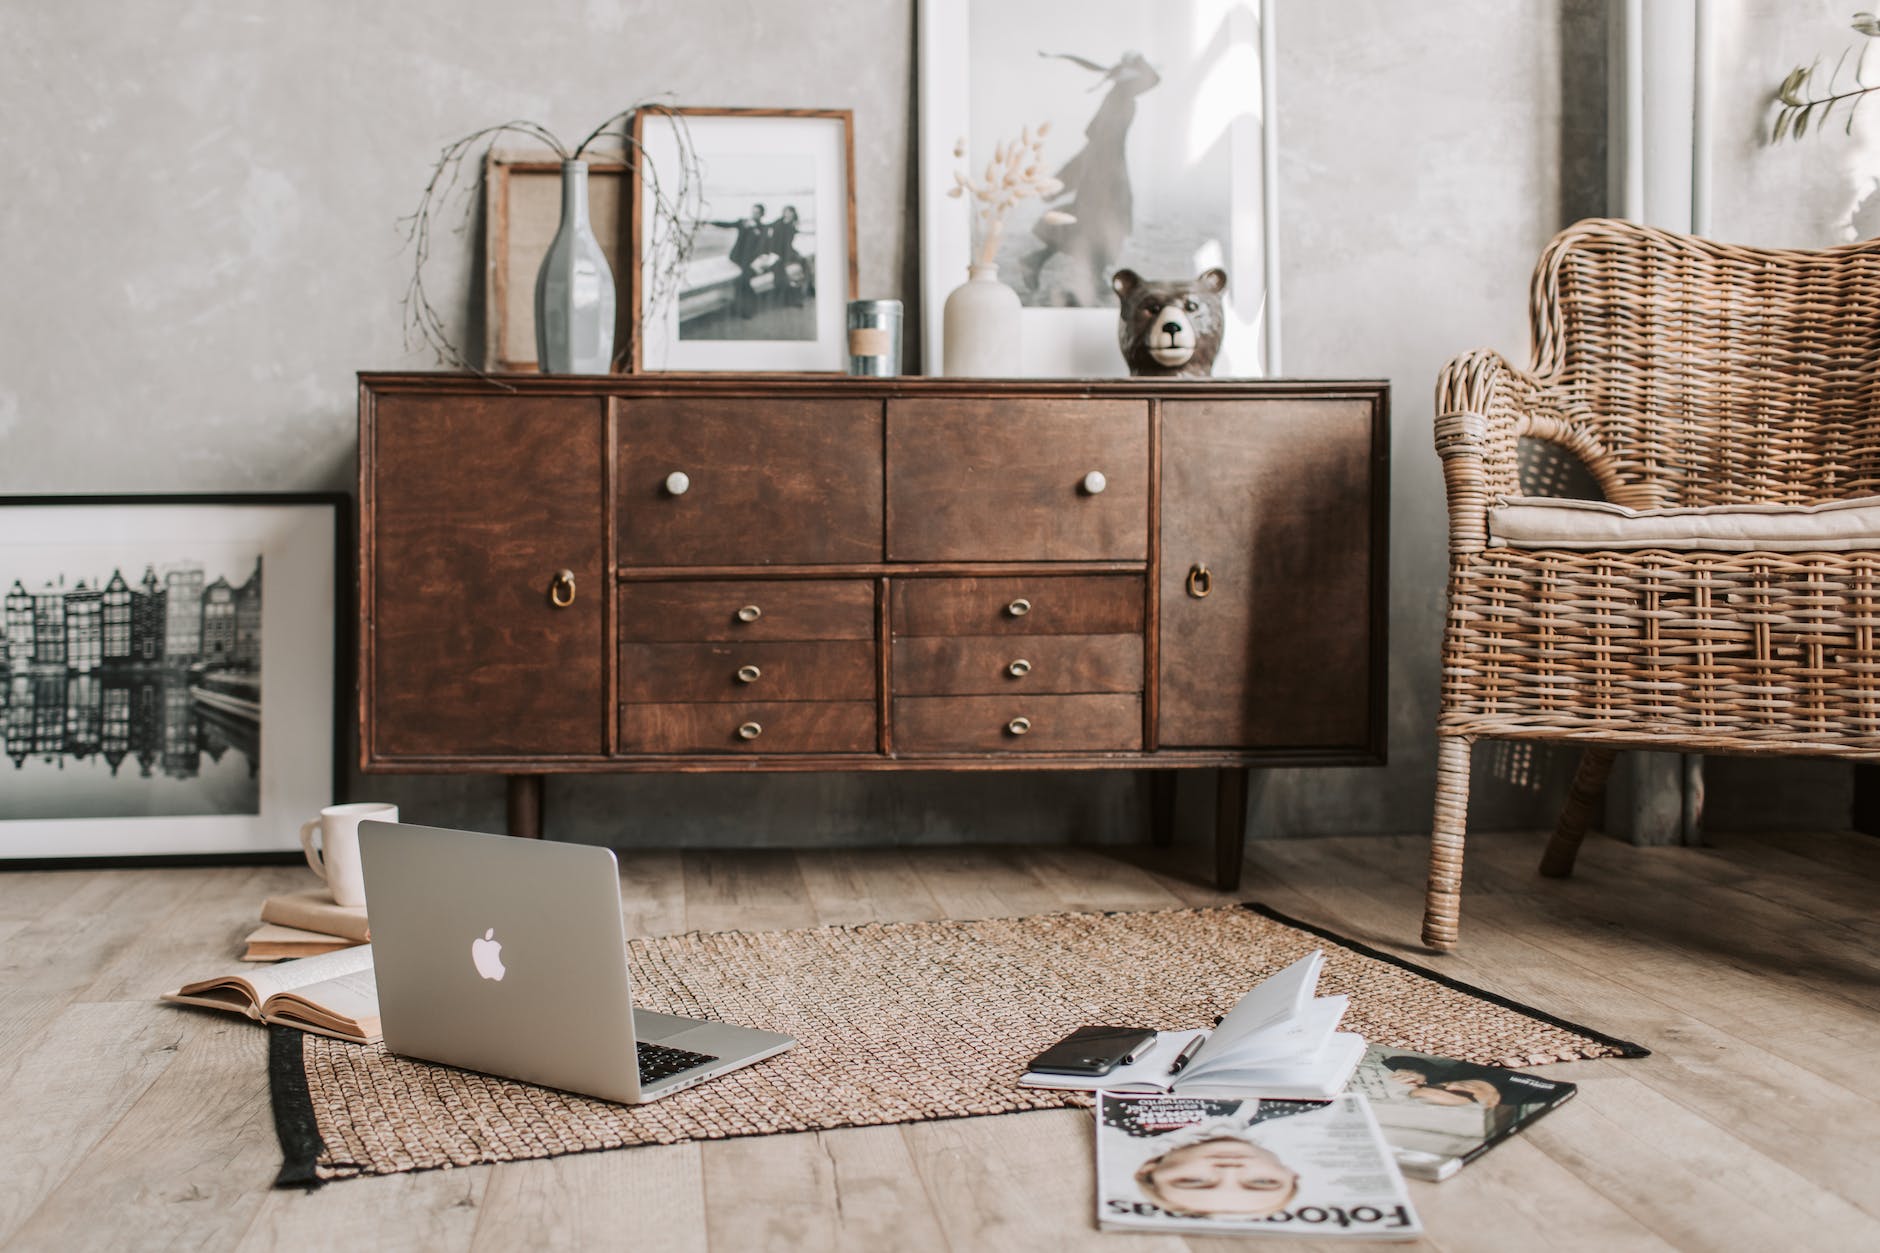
column 1589, row 784
column 1443, row 906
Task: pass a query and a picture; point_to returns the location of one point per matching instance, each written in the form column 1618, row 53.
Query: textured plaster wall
column 201, row 246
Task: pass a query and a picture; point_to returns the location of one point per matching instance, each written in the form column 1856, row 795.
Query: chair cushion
column 1549, row 522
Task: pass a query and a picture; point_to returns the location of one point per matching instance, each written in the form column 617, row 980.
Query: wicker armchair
column 1683, row 373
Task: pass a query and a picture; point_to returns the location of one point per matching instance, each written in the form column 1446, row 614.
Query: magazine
column 1220, row 1167
column 1439, row 1114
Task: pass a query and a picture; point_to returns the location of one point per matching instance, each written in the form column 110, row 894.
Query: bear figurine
column 1170, row 329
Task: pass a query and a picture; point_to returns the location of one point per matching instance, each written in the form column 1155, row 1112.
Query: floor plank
column 1748, row 967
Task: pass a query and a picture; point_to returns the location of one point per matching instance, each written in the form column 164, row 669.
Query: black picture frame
column 307, row 535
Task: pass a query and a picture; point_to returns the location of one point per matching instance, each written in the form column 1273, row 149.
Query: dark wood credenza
column 709, row 573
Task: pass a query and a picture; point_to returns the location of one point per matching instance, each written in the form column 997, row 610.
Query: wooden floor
column 1752, row 969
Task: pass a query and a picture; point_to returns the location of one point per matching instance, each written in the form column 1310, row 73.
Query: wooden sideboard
column 709, row 573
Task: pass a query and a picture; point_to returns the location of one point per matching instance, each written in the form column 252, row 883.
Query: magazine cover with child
column 1289, row 1168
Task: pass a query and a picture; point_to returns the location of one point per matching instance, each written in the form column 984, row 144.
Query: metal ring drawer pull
column 561, row 589
column 750, row 731
column 1200, row 581
column 1094, row 482
column 749, row 674
column 1019, row 608
column 1019, row 669
column 1018, row 726
column 678, row 482
column 750, row 613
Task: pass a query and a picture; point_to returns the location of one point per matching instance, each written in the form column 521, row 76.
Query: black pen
column 1186, row 1055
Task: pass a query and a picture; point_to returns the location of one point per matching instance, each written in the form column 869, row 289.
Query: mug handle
column 314, row 857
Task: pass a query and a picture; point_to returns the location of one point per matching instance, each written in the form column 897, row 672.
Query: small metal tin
column 875, row 338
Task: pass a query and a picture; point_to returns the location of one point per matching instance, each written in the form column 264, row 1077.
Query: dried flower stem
column 674, row 210
column 1015, row 173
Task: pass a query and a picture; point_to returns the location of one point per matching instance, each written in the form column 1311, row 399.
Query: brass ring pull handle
column 750, row 613
column 561, row 589
column 1018, row 726
column 749, row 674
column 750, row 731
column 1200, row 581
column 1019, row 608
column 1019, row 668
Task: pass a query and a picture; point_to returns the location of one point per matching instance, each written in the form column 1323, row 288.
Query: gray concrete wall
column 201, row 243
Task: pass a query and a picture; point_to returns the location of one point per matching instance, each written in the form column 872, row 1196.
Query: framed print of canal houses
column 168, row 672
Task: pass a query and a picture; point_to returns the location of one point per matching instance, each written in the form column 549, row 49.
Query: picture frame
column 747, row 294
column 171, row 673
column 1062, row 62
column 521, row 213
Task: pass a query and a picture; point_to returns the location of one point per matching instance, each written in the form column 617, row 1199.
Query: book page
column 1276, row 1000
column 352, row 995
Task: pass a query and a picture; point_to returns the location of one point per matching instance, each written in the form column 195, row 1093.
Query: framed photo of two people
column 762, row 279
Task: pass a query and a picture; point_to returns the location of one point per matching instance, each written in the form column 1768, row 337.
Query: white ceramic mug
column 336, row 859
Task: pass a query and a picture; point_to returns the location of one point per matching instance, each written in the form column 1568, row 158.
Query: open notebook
column 1279, row 1041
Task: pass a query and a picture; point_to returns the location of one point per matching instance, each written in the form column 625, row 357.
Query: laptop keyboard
column 657, row 1061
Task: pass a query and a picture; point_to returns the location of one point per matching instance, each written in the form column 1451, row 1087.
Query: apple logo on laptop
column 487, row 954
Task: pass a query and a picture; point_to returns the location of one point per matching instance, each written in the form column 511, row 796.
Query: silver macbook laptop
column 510, row 956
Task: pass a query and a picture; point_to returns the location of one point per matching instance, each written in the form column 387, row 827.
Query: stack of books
column 305, row 924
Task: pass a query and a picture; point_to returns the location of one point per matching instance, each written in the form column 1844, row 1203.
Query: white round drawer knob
column 1094, row 482
column 679, row 481
column 750, row 731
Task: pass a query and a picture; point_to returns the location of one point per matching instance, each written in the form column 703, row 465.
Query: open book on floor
column 333, row 994
column 1439, row 1114
column 1279, row 1041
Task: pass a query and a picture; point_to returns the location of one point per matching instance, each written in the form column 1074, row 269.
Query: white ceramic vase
column 981, row 328
column 574, row 289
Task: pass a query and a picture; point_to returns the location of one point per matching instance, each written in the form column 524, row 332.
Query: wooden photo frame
column 522, row 209
column 746, row 293
column 154, row 702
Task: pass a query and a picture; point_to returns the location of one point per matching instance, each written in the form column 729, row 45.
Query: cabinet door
column 473, row 506
column 1018, row 480
column 760, row 481
column 1275, row 499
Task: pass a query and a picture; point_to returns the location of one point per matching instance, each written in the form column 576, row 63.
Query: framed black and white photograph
column 1158, row 136
column 761, row 272
column 168, row 672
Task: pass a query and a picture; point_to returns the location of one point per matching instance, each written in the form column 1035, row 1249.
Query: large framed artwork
column 169, row 672
column 760, row 272
column 1159, row 126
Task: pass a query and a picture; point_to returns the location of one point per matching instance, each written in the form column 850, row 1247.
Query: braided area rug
column 895, row 1022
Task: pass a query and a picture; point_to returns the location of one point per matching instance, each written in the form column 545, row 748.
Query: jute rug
column 895, row 1022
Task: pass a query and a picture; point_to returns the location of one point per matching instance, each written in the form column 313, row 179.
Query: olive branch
column 1801, row 104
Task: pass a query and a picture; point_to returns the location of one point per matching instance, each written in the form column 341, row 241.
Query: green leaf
column 1867, row 24
column 1801, row 123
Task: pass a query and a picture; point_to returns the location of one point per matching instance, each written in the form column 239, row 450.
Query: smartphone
column 1094, row 1051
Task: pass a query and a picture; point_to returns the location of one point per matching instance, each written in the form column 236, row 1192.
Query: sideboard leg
column 1161, row 807
column 1230, row 826
column 525, row 806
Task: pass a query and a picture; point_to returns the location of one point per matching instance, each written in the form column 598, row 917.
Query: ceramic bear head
column 1170, row 329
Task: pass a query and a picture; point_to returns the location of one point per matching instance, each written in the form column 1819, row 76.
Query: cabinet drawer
column 1017, row 724
column 1009, row 480
column 749, row 727
column 832, row 671
column 737, row 609
column 1051, row 604
column 766, row 481
column 982, row 664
